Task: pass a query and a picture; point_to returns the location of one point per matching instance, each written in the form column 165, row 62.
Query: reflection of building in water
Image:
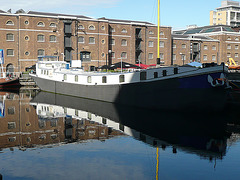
column 206, row 147
column 22, row 127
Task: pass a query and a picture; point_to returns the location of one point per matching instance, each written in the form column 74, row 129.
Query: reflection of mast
column 157, row 163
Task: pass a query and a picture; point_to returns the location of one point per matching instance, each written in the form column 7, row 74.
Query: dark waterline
column 58, row 137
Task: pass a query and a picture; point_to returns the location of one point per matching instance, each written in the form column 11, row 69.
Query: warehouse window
column 150, row 56
column 81, row 39
column 124, row 42
column 40, row 38
column 41, row 52
column 205, row 57
column 11, row 125
column 91, row 40
column 150, row 44
column 124, row 55
column 10, row 37
column 112, row 42
column 10, row 52
column 213, row 57
column 161, row 44
column 52, row 38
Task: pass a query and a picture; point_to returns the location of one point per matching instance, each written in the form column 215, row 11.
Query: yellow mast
column 158, row 59
column 158, row 43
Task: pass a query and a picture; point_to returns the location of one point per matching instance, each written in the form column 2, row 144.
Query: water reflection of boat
column 189, row 132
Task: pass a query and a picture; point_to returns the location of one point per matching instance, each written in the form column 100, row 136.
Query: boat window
column 104, row 120
column 89, row 79
column 41, row 71
column 164, row 72
column 76, row 78
column 121, row 78
column 175, row 70
column 155, row 74
column 89, row 116
column 76, row 112
column 121, row 127
column 104, row 79
column 64, row 77
column 143, row 75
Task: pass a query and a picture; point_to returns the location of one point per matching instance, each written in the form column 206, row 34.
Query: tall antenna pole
column 158, row 43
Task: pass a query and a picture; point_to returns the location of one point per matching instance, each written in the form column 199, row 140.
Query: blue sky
column 174, row 13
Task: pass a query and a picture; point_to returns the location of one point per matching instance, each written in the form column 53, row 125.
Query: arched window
column 80, row 27
column 124, row 30
column 91, row 27
column 9, row 22
column 41, row 24
column 52, row 25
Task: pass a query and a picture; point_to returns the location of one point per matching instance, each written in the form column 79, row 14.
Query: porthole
column 26, row 22
column 26, row 38
column 27, row 53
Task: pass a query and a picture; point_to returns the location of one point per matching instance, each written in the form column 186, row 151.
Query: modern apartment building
column 26, row 36
column 227, row 14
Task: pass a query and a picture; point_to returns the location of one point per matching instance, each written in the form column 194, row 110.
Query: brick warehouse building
column 25, row 36
column 208, row 44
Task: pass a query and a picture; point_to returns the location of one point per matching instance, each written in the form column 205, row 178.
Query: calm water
column 47, row 136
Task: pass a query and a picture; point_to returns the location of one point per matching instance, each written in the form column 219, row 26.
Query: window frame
column 7, row 36
column 94, row 41
column 12, row 54
column 38, row 38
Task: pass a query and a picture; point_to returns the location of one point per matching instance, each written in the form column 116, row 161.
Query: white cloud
column 65, row 6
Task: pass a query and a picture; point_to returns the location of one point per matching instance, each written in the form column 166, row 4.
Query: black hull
column 162, row 94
